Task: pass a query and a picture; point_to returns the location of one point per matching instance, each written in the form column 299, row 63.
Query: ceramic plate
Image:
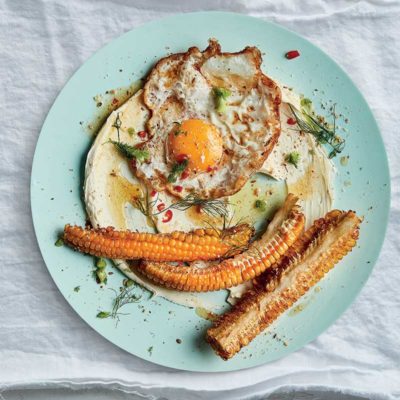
column 155, row 329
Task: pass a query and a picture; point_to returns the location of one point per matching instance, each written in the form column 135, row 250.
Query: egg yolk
column 197, row 141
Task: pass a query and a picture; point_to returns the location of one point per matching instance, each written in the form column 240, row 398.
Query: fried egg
column 214, row 121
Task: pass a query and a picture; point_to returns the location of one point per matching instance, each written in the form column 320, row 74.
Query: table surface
column 45, row 345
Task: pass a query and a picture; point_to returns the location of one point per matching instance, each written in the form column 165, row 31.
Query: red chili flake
column 184, row 174
column 153, row 193
column 133, row 163
column 114, row 101
column 292, row 54
column 167, row 216
column 178, row 188
column 209, row 169
column 142, row 134
column 291, row 121
column 181, row 158
column 161, row 207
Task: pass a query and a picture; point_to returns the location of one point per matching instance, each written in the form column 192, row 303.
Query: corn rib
column 316, row 252
column 201, row 244
column 284, row 229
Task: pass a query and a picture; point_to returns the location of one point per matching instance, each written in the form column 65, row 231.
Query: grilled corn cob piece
column 284, row 229
column 201, row 244
column 317, row 251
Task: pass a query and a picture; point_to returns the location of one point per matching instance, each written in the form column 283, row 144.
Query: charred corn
column 201, row 244
column 317, row 251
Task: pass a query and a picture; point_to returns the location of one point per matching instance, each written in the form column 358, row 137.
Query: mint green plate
column 150, row 328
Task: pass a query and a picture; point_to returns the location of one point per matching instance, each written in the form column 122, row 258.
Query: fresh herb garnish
column 59, row 242
column 323, row 133
column 100, row 273
column 128, row 282
column 131, row 152
column 260, row 205
column 150, row 350
column 117, row 125
column 77, row 289
column 101, row 263
column 126, row 149
column 220, row 96
column 212, row 207
column 293, row 158
column 101, row 276
column 306, row 104
column 178, row 129
column 131, row 131
column 144, row 205
column 177, row 170
column 124, row 297
column 103, row 314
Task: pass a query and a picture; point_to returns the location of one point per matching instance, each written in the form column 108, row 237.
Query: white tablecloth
column 43, row 343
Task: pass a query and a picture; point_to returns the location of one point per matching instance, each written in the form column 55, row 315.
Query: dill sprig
column 126, row 296
column 324, row 134
column 212, row 207
column 227, row 233
column 144, row 205
column 130, row 151
column 126, row 149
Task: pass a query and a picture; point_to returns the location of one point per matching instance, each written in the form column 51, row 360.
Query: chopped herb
column 323, row 133
column 305, row 102
column 101, row 263
column 131, row 131
column 59, row 242
column 77, row 289
column 261, row 205
column 128, row 282
column 103, row 314
column 293, row 158
column 178, row 130
column 177, row 170
column 344, row 160
column 150, row 350
column 220, row 96
column 131, row 152
column 101, row 276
